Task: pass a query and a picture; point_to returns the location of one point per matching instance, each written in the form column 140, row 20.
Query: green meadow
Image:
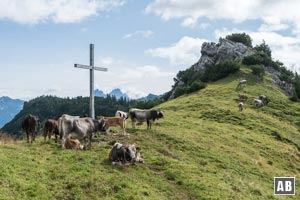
column 204, row 148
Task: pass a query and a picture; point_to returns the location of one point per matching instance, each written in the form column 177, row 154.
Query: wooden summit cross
column 91, row 67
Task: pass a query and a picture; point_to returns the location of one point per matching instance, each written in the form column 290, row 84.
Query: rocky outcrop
column 287, row 88
column 225, row 50
column 215, row 53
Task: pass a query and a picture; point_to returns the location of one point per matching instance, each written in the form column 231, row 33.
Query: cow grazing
column 144, row 115
column 241, row 106
column 125, row 154
column 122, row 114
column 257, row 103
column 264, row 99
column 51, row 126
column 30, row 125
column 81, row 128
column 243, row 97
column 113, row 121
column 242, row 83
column 72, row 143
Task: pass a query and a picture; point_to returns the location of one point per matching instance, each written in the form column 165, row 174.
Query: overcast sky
column 143, row 43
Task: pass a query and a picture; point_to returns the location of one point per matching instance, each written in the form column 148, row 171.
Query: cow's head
column 134, row 154
column 102, row 125
column 160, row 114
column 38, row 121
column 126, row 115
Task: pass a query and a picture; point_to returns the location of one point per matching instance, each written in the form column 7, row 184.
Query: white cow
column 242, row 83
column 122, row 114
column 257, row 103
column 241, row 106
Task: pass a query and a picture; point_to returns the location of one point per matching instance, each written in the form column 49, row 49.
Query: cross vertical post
column 92, row 99
column 91, row 67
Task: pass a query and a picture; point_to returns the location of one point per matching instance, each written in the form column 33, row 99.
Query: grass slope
column 204, row 148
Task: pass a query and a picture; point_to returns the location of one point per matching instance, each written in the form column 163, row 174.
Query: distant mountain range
column 118, row 94
column 149, row 97
column 9, row 108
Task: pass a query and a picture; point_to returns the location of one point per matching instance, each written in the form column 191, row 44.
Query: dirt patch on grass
column 168, row 154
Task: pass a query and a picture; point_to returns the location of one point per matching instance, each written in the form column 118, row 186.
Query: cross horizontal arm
column 90, row 67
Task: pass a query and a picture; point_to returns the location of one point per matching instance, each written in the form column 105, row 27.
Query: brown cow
column 30, row 125
column 51, row 126
column 114, row 121
column 72, row 143
column 243, row 97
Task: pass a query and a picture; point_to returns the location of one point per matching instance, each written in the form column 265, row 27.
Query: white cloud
column 108, row 61
column 284, row 48
column 272, row 12
column 193, row 23
column 144, row 72
column 185, row 52
column 143, row 34
column 58, row 11
column 273, row 27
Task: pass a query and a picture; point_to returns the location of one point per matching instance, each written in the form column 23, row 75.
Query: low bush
column 220, row 71
column 258, row 70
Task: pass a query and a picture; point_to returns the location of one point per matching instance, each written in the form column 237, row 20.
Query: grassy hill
column 204, row 148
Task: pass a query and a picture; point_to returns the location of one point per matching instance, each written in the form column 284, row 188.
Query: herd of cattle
column 257, row 102
column 73, row 129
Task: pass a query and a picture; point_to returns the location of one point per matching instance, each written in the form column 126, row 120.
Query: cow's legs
column 49, row 135
column 27, row 135
column 107, row 131
column 31, row 136
column 45, row 136
column 90, row 141
column 133, row 123
column 124, row 130
column 56, row 138
column 63, row 141
column 148, row 124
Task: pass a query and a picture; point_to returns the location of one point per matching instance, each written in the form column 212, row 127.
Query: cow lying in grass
column 125, row 154
column 72, row 143
column 258, row 103
column 113, row 121
column 243, row 97
column 264, row 99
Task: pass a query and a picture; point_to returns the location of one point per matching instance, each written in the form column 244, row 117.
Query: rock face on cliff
column 215, row 53
column 287, row 88
column 225, row 50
